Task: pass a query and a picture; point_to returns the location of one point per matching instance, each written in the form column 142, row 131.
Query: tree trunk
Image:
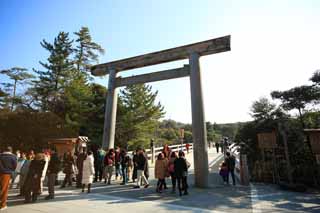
column 301, row 119
column 14, row 94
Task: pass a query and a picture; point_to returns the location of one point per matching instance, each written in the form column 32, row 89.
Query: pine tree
column 3, row 101
column 18, row 76
column 138, row 115
column 58, row 73
column 86, row 51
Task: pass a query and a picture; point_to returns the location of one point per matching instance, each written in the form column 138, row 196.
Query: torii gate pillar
column 110, row 112
column 199, row 132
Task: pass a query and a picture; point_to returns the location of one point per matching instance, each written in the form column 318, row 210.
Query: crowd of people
column 31, row 169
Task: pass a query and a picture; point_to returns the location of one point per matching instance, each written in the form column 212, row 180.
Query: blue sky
column 274, row 44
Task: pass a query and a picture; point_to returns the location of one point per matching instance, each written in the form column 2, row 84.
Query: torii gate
column 191, row 52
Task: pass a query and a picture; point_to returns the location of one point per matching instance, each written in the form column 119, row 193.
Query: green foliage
column 52, row 82
column 297, row 98
column 262, row 109
column 137, row 115
column 86, row 51
column 94, row 118
column 17, row 76
column 25, row 130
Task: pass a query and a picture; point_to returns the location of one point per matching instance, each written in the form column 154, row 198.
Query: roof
column 73, row 140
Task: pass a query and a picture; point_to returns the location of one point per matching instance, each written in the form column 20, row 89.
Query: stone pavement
column 217, row 198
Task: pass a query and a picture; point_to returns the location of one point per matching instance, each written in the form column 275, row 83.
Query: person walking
column 181, row 171
column 46, row 155
column 33, row 181
column 117, row 163
column 124, row 161
column 54, row 168
column 23, row 175
column 221, row 145
column 146, row 168
column 88, row 172
column 79, row 162
column 134, row 161
column 109, row 161
column 166, row 150
column 217, row 146
column 8, row 164
column 160, row 171
column 141, row 165
column 68, row 169
column 98, row 164
column 130, row 168
column 17, row 173
column 188, row 147
column 231, row 163
column 173, row 157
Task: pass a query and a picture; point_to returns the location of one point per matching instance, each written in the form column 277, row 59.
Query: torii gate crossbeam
column 191, row 52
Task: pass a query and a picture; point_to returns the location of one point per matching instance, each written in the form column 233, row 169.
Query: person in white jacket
column 87, row 171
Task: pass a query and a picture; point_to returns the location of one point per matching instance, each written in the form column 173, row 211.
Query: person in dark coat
column 33, row 181
column 79, row 162
column 135, row 168
column 99, row 164
column 68, row 169
column 54, row 168
column 217, row 146
column 181, row 172
column 141, row 165
column 231, row 162
column 124, row 161
column 146, row 168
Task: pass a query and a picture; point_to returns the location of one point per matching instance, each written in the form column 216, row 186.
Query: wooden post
column 110, row 112
column 263, row 165
column 199, row 132
column 244, row 173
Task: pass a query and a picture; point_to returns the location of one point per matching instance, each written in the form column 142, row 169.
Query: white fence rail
column 235, row 150
column 175, row 148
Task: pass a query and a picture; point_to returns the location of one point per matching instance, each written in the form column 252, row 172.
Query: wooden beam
column 212, row 46
column 154, row 76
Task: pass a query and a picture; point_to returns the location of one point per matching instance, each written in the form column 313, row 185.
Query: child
column 160, row 171
column 223, row 171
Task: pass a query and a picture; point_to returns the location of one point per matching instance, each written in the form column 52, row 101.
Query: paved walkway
column 217, row 198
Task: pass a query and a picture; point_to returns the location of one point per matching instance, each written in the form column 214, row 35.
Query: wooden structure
column 63, row 145
column 267, row 140
column 267, row 143
column 314, row 135
column 192, row 52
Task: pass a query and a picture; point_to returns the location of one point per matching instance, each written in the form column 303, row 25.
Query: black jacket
column 180, row 167
column 54, row 166
column 231, row 162
column 141, row 162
